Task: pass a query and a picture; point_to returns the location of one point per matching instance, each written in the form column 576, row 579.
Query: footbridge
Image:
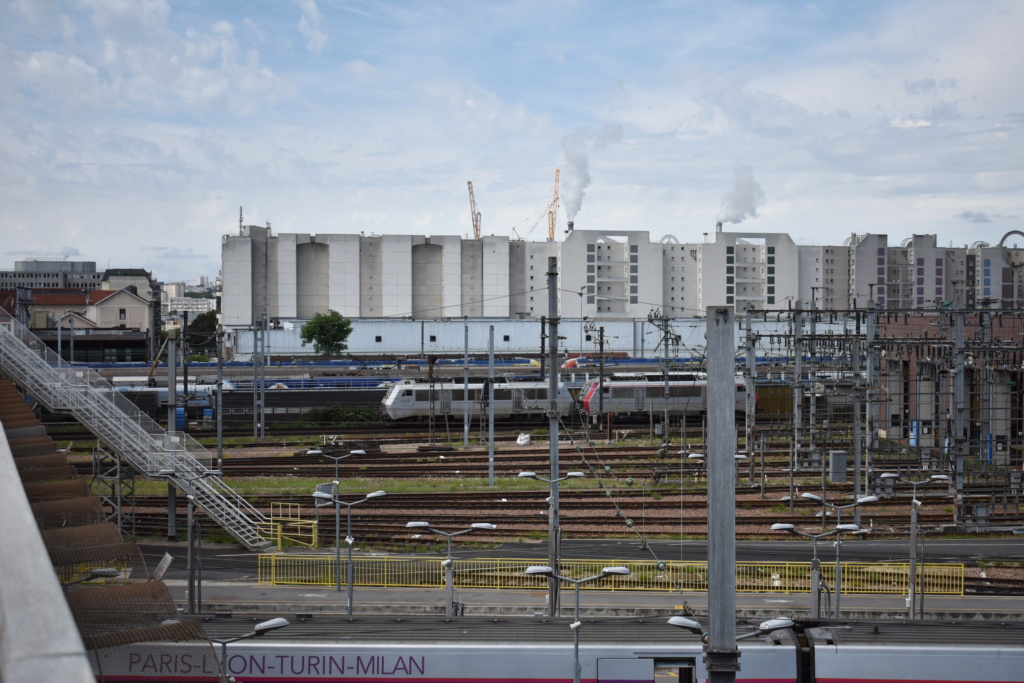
column 139, row 441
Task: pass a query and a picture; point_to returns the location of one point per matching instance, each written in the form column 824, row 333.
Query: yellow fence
column 286, row 525
column 751, row 577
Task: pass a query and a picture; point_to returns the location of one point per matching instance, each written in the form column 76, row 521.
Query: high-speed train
column 410, row 399
column 636, row 393
column 484, row 650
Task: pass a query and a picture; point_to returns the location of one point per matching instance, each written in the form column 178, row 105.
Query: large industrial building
column 603, row 275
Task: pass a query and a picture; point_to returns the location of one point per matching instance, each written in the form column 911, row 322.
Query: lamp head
column 527, row 475
column 867, row 499
column 888, row 475
column 540, row 571
column 273, row 624
column 783, row 527
column 915, row 503
column 615, row 571
column 323, row 495
column 811, row 496
column 357, row 452
column 775, row 625
column 484, row 526
column 939, row 477
column 689, row 624
column 847, row 527
column 314, row 451
column 376, row 494
column 574, row 475
column 417, row 525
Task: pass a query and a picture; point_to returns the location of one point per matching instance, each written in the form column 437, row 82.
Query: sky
column 133, row 131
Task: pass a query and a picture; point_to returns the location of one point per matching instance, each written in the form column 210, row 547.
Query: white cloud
column 311, row 26
column 139, row 120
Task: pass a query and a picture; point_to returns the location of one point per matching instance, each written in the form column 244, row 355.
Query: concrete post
column 721, row 655
column 554, row 524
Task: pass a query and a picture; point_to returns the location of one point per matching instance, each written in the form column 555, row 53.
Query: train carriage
column 633, row 394
column 410, row 399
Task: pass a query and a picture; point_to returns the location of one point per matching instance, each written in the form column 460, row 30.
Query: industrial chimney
column 718, row 226
column 570, row 226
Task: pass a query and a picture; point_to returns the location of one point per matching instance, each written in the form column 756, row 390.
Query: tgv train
column 634, row 393
column 410, row 399
column 537, row 652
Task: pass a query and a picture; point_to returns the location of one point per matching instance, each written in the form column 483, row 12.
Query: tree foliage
column 327, row 332
column 202, row 332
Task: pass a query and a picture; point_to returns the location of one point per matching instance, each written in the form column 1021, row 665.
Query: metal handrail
column 154, row 452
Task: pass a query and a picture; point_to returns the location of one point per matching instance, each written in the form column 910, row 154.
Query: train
column 630, row 393
column 625, row 651
column 411, row 399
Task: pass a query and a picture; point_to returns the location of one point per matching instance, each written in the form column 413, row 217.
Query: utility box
column 837, row 466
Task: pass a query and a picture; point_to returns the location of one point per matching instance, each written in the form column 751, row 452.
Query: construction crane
column 553, row 213
column 473, row 213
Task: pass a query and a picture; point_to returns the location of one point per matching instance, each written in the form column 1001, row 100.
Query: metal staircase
column 155, row 453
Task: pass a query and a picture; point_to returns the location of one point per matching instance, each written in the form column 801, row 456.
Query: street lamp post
column 914, row 505
column 840, row 528
column 554, row 531
column 815, row 563
column 763, row 629
column 448, row 563
column 324, row 498
column 335, row 458
column 257, row 631
column 94, row 573
column 193, row 559
column 575, row 625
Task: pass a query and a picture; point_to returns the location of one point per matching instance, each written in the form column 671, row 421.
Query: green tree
column 327, row 332
column 202, row 331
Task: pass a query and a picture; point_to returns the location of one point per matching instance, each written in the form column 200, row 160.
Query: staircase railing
column 144, row 444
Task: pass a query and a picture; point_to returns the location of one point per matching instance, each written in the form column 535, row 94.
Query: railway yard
column 636, row 486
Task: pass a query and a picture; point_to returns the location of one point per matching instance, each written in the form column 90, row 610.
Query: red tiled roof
column 98, row 295
column 73, row 299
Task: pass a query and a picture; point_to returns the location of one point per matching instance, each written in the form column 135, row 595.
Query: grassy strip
column 290, row 485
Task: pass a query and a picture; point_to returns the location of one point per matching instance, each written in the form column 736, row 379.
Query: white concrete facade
column 603, row 275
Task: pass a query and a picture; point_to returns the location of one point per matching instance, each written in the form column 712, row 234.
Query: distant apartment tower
column 52, row 275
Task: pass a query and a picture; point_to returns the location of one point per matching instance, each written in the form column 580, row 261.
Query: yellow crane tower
column 473, row 213
column 553, row 213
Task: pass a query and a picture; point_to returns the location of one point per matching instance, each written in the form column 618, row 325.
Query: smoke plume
column 742, row 201
column 576, row 178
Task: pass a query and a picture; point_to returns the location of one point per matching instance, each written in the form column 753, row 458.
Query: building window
column 771, row 250
column 590, row 248
column 378, row 339
column 122, row 314
column 634, row 300
column 728, row 299
column 433, row 338
column 730, row 269
column 771, row 259
column 730, row 250
column 505, row 338
column 730, row 259
column 634, row 269
column 634, row 248
column 634, row 279
column 633, row 258
column 590, row 258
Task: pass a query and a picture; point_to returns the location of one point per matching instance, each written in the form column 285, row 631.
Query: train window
column 407, row 393
column 677, row 671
